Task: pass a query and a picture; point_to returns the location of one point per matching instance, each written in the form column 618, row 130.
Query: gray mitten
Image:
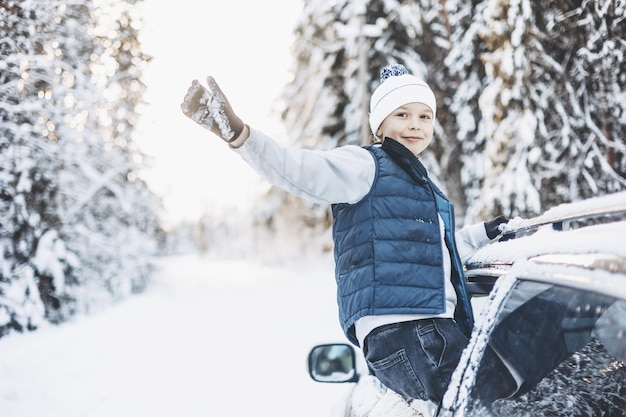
column 211, row 110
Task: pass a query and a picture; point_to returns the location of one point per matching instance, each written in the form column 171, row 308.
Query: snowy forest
column 78, row 227
column 531, row 98
column 531, row 113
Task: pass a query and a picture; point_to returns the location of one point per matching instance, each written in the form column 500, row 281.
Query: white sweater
column 343, row 175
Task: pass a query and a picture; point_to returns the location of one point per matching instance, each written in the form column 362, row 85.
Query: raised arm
column 341, row 175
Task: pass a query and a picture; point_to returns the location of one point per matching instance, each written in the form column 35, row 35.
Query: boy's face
column 412, row 125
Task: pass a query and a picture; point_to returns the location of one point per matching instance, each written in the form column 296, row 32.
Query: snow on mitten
column 211, row 110
column 494, row 228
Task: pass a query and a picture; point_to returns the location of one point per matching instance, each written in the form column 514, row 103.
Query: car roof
column 591, row 258
column 600, row 238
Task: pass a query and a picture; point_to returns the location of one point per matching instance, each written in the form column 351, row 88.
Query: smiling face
column 411, row 124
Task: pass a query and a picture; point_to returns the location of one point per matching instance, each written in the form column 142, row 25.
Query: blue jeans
column 416, row 359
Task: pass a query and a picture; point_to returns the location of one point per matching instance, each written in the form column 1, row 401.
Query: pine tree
column 531, row 110
column 506, row 108
column 461, row 117
column 105, row 196
column 592, row 136
column 27, row 183
column 80, row 226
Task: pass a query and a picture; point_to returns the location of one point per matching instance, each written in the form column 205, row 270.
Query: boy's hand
column 494, row 227
column 210, row 109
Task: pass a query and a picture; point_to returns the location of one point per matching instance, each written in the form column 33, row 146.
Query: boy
column 399, row 263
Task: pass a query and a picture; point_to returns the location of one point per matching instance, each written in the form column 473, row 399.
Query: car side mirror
column 333, row 363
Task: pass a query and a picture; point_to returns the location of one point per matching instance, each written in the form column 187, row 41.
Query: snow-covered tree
column 78, row 225
column 592, row 132
column 493, row 108
column 539, row 102
column 461, row 152
column 27, row 184
column 105, row 198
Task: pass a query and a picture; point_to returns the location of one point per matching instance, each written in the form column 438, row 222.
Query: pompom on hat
column 397, row 88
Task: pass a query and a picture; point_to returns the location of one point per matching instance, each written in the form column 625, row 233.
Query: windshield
column 564, row 347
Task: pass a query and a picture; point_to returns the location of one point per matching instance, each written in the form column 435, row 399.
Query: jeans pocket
column 433, row 343
column 396, row 358
column 395, row 372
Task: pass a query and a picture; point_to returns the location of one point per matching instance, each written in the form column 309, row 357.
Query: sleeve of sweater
column 470, row 239
column 340, row 175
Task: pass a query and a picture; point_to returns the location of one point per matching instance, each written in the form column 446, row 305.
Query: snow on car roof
column 596, row 239
column 615, row 202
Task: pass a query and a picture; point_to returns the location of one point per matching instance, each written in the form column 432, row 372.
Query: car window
column 565, row 348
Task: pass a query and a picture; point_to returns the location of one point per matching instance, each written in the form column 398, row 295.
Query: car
column 550, row 297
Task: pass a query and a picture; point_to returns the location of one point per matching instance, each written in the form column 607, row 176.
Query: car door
column 560, row 328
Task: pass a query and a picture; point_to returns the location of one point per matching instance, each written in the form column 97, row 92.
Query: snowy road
column 210, row 338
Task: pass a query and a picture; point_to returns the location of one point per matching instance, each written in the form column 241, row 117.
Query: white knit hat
column 398, row 88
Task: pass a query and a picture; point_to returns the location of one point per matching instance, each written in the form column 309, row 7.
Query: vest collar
column 405, row 158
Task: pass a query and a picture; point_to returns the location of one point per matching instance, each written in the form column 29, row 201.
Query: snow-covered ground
column 209, row 338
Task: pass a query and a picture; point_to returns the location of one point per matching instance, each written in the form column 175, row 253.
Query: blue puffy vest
column 388, row 254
